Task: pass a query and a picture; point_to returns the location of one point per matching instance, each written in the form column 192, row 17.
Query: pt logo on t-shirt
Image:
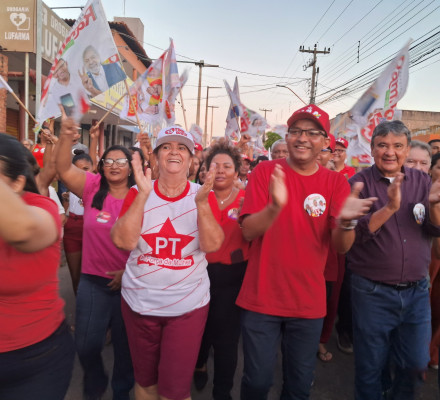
column 103, row 217
column 166, row 248
column 315, row 205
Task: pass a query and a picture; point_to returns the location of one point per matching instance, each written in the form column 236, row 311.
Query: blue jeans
column 40, row 371
column 391, row 322
column 261, row 337
column 97, row 309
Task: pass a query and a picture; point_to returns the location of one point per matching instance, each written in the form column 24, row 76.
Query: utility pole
column 312, row 63
column 205, row 132
column 212, row 120
column 265, row 111
column 200, row 64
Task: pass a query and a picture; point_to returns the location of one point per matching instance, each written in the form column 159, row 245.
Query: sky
column 258, row 42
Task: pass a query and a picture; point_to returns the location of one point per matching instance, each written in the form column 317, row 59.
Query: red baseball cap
column 343, row 142
column 198, row 147
column 245, row 157
column 313, row 113
column 332, row 142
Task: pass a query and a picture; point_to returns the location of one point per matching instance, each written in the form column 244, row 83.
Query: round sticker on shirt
column 103, row 217
column 315, row 205
column 419, row 213
column 80, row 202
column 233, row 213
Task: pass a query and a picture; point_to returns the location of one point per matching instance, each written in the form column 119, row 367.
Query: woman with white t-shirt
column 168, row 226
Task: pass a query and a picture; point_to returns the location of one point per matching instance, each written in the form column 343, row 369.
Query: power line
column 332, row 24
column 383, row 45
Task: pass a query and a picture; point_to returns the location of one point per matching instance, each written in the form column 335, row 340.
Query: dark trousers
column 40, row 371
column 261, row 337
column 97, row 309
column 222, row 330
column 344, row 325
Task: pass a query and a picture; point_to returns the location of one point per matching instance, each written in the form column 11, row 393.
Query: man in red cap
column 339, row 157
column 293, row 208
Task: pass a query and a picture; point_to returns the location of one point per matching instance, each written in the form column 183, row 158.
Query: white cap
column 175, row 134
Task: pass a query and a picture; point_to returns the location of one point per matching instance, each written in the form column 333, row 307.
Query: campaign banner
column 380, row 100
column 196, row 132
column 153, row 94
column 232, row 130
column 86, row 65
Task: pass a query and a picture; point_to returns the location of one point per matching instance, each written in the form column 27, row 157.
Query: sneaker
column 433, row 366
column 344, row 343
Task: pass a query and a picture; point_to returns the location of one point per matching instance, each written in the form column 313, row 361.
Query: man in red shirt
column 339, row 157
column 293, row 208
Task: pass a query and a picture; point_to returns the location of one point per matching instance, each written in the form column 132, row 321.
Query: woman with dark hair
column 226, row 268
column 36, row 349
column 98, row 301
column 201, row 173
column 168, row 226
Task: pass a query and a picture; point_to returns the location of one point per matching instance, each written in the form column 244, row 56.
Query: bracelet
column 348, row 227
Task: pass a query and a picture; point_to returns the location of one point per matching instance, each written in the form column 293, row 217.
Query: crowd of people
column 175, row 251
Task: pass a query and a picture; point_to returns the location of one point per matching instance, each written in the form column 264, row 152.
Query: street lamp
column 205, row 132
column 293, row 93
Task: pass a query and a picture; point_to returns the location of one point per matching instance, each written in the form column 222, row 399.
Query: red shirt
column 285, row 273
column 347, row 171
column 234, row 248
column 30, row 306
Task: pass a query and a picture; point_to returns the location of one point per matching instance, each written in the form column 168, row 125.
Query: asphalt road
column 334, row 380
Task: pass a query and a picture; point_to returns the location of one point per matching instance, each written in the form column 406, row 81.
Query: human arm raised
column 382, row 215
column 24, row 227
column 126, row 231
column 73, row 177
column 255, row 225
column 211, row 234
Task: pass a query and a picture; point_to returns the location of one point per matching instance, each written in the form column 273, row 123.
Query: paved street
column 334, row 380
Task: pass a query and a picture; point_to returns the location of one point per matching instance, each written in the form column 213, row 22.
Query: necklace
column 178, row 192
column 227, row 198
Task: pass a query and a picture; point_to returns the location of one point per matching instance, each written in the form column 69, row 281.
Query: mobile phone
column 67, row 103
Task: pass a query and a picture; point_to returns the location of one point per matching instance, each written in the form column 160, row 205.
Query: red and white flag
column 379, row 102
column 86, row 65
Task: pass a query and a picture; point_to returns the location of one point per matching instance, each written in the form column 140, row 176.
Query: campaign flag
column 4, row 85
column 86, row 65
column 379, row 102
column 196, row 132
column 235, row 111
column 253, row 123
column 154, row 92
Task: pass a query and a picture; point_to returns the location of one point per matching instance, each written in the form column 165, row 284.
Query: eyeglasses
column 340, row 151
column 120, row 162
column 310, row 133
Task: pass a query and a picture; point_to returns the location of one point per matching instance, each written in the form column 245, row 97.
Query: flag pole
column 183, row 109
column 25, row 108
column 112, row 108
column 134, row 108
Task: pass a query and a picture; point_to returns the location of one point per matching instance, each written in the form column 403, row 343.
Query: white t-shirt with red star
column 166, row 273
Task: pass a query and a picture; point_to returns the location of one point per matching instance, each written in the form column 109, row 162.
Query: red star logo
column 167, row 243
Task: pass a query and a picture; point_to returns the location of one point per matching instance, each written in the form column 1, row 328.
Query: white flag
column 379, row 102
column 4, row 85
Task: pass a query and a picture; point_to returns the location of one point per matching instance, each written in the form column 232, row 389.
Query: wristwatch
column 347, row 227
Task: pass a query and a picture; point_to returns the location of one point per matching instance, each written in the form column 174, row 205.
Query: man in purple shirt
column 389, row 261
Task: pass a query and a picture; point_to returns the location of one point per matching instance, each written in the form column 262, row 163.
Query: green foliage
column 272, row 137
